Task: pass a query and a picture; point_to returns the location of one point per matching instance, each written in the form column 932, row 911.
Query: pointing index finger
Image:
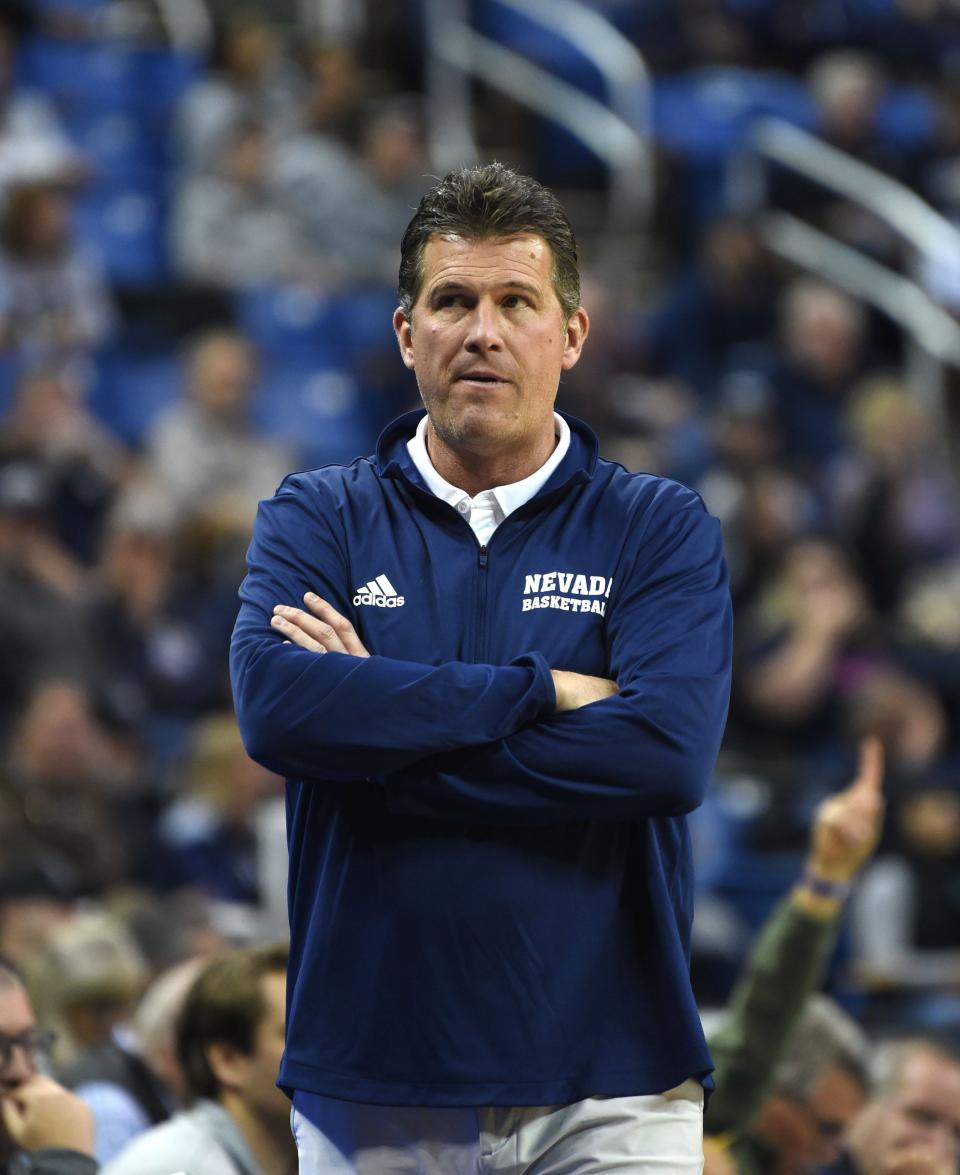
column 870, row 768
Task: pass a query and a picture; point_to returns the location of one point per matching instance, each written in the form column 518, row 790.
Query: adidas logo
column 379, row 592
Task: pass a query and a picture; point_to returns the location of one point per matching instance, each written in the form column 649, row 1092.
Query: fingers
column 870, row 769
column 344, row 630
column 322, row 630
column 12, row 1116
column 300, row 628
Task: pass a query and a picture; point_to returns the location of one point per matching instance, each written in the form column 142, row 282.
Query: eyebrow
column 449, row 285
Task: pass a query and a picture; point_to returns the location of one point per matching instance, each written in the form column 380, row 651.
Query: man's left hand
column 321, row 629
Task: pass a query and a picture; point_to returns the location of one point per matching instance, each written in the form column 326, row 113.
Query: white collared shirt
column 489, row 508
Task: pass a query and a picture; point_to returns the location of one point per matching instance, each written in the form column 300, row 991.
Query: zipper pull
column 483, row 556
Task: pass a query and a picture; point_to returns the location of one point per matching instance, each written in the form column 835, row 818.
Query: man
column 44, row 1128
column 505, row 688
column 787, row 964
column 911, row 1125
column 817, row 1090
column 133, row 1080
column 229, row 1041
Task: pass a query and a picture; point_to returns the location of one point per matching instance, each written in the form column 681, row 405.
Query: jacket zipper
column 480, row 647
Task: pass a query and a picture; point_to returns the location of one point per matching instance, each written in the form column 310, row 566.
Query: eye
column 447, row 301
column 513, row 301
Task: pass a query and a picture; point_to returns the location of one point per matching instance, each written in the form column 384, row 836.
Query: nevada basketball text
column 566, row 591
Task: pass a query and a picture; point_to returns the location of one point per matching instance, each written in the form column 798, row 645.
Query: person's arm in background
column 648, row 745
column 790, row 955
column 52, row 1126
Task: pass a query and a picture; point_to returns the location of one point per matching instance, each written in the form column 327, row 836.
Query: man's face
column 259, row 1089
column 487, row 341
column 809, row 1133
column 921, row 1113
column 16, row 1018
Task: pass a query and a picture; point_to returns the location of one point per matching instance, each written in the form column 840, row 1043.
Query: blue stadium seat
column 117, row 142
column 289, row 321
column 363, row 318
column 705, row 114
column 323, row 413
column 123, row 221
column 101, row 73
column 132, row 388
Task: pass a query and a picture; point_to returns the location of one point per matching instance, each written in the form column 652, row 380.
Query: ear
column 403, row 329
column 577, row 330
column 227, row 1064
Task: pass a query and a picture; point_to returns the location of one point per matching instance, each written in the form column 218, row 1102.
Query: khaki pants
column 650, row 1133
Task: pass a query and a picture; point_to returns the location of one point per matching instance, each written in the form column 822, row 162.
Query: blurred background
column 200, row 211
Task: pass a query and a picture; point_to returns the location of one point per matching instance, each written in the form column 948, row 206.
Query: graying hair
column 825, row 1038
column 891, row 1057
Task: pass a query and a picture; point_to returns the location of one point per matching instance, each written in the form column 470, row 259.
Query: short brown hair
column 478, row 203
column 225, row 1005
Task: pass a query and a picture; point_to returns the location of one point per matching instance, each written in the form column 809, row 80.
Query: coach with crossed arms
column 494, row 669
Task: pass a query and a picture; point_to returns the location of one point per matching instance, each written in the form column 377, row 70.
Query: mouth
column 486, row 379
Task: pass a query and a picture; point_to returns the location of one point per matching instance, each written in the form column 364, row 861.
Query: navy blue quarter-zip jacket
column 490, row 902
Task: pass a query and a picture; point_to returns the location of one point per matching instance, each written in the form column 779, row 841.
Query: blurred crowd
column 198, row 253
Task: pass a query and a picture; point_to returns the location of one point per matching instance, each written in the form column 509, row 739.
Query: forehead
column 839, row 1092
column 525, row 258
column 15, row 1011
column 275, row 995
column 931, row 1081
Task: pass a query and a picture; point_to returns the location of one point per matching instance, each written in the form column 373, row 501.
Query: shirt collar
column 508, row 497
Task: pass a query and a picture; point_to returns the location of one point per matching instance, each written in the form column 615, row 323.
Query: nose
column 20, row 1067
column 483, row 330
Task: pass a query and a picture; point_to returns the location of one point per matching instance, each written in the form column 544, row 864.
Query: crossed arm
column 517, row 743
column 320, row 628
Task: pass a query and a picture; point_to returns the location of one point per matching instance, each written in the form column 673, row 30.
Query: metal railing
column 934, row 335
column 618, row 133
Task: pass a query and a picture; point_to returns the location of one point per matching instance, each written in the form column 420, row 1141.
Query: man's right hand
column 40, row 1113
column 578, row 689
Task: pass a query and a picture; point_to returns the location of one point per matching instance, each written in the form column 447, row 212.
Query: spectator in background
column 37, row 894
column 746, row 444
column 155, row 643
column 905, row 924
column 205, row 448
column 789, row 958
column 134, row 1081
column 44, row 1128
column 812, row 635
column 337, row 86
column 725, row 300
column 63, row 779
column 38, row 579
column 894, row 496
column 825, row 342
column 248, row 79
column 33, row 146
column 230, row 1036
column 230, row 229
column 911, row 1125
column 86, row 982
column 54, row 301
column 208, row 836
column 905, row 713
column 818, row 1089
column 82, row 462
column 354, row 209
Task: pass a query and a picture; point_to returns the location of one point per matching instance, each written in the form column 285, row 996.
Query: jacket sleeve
column 786, row 966
column 336, row 717
column 647, row 751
